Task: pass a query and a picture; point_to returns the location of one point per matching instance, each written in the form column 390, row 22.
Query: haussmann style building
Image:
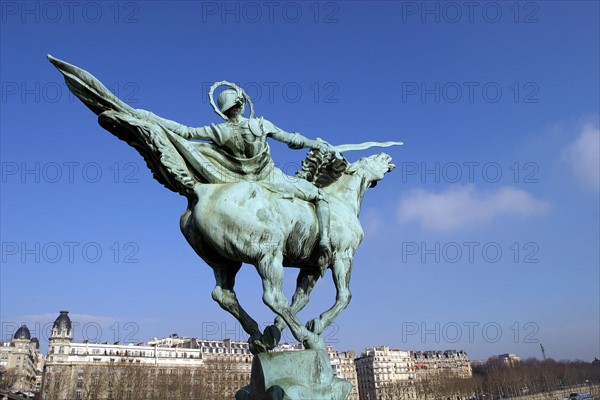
column 167, row 368
column 170, row 368
column 379, row 369
column 22, row 361
column 394, row 374
column 196, row 369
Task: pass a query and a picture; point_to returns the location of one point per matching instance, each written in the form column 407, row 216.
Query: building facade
column 20, row 358
column 344, row 368
column 174, row 367
column 382, row 371
column 447, row 363
column 385, row 373
column 509, row 359
column 167, row 368
column 196, row 369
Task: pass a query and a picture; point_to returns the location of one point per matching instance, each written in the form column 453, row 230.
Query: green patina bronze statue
column 243, row 209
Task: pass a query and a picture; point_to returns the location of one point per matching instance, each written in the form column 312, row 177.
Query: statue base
column 294, row 375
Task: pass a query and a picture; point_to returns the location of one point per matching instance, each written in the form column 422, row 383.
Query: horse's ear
column 351, row 170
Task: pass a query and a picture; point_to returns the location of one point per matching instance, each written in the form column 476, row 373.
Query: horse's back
column 246, row 219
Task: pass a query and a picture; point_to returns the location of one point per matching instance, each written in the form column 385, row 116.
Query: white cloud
column 49, row 318
column 372, row 221
column 95, row 327
column 583, row 155
column 466, row 206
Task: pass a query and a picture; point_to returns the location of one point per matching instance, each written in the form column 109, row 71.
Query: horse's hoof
column 315, row 326
column 256, row 348
column 256, row 345
column 271, row 337
column 315, row 342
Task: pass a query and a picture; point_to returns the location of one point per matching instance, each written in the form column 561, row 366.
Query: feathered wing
column 89, row 89
column 148, row 136
column 151, row 140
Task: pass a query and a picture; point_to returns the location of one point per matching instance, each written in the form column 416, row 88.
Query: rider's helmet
column 229, row 98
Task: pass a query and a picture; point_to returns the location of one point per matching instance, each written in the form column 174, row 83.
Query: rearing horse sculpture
column 247, row 218
column 262, row 228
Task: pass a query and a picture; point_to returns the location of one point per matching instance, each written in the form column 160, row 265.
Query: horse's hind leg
column 341, row 277
column 307, row 278
column 224, row 294
column 270, row 270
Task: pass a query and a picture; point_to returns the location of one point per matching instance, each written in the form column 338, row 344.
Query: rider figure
column 245, row 138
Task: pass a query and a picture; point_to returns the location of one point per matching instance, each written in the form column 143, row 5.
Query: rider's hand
column 325, row 147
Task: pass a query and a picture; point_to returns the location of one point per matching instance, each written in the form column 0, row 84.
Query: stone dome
column 22, row 333
column 63, row 322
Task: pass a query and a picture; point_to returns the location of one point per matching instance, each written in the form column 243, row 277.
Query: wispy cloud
column 372, row 221
column 583, row 156
column 86, row 326
column 50, row 317
column 466, row 206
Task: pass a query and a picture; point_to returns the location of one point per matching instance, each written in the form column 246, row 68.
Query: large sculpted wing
column 147, row 135
column 151, row 140
column 89, row 89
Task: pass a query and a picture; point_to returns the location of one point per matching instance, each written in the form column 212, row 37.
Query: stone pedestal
column 294, row 375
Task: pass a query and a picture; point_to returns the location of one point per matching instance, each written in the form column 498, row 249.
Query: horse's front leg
column 270, row 269
column 307, row 278
column 341, row 277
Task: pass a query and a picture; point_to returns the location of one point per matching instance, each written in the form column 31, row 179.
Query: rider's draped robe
column 230, row 158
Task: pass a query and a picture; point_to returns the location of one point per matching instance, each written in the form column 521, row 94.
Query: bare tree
column 58, row 384
column 400, row 390
column 8, row 377
column 531, row 376
column 91, row 382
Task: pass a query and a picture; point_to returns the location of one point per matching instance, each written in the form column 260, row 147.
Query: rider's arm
column 294, row 140
column 186, row 132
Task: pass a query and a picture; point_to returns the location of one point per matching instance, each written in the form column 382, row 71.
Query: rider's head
column 231, row 101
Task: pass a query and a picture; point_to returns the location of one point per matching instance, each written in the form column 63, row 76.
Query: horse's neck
column 348, row 190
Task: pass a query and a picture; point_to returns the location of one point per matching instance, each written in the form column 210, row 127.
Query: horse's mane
column 322, row 169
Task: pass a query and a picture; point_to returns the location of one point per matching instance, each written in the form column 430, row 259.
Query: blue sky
column 484, row 238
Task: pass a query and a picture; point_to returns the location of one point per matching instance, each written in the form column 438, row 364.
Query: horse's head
column 358, row 177
column 372, row 168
